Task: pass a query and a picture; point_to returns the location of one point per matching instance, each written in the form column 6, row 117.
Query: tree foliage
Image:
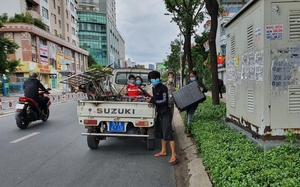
column 173, row 59
column 7, row 47
column 199, row 56
column 187, row 15
column 91, row 61
column 23, row 18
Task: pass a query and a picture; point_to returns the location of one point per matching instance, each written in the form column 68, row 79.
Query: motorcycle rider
column 31, row 90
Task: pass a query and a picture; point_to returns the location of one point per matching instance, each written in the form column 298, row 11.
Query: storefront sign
column 24, row 67
column 42, row 68
column 43, row 50
column 44, row 60
column 59, row 57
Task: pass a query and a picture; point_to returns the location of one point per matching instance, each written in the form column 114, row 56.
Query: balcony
column 223, row 40
column 207, row 28
column 206, row 46
column 224, row 20
column 34, row 14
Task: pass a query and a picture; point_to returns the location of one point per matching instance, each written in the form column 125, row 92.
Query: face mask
column 138, row 82
column 132, row 81
column 193, row 78
column 155, row 81
column 170, row 79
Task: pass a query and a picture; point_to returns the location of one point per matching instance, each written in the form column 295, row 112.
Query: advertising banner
column 43, row 50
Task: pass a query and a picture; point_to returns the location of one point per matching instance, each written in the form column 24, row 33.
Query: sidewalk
column 196, row 169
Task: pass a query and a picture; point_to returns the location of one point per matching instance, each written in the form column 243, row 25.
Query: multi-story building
column 54, row 52
column 98, row 31
column 230, row 7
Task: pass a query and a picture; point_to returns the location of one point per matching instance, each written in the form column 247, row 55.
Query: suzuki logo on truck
column 115, row 111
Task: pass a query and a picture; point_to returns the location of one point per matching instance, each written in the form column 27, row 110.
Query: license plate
column 116, row 126
column 19, row 106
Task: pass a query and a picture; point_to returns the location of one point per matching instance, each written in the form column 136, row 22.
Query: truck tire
column 151, row 144
column 92, row 141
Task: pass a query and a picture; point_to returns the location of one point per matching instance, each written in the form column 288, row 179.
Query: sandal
column 160, row 154
column 173, row 161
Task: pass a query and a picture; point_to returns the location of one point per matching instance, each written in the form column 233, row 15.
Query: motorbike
column 28, row 111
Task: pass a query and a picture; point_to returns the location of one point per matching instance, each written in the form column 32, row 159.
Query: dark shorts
column 163, row 127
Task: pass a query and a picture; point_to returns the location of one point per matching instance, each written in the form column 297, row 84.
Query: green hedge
column 233, row 160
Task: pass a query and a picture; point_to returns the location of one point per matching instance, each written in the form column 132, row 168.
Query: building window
column 47, row 28
column 72, row 6
column 67, row 14
column 59, row 23
column 68, row 39
column 54, row 17
column 68, row 27
column 55, row 32
column 73, row 31
column 43, row 41
column 45, row 13
column 58, row 10
column 54, row 6
column 73, row 19
column 73, row 42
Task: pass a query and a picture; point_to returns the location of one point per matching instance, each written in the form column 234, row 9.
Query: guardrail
column 11, row 104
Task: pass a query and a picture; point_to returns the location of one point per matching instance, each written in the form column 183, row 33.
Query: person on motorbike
column 31, row 90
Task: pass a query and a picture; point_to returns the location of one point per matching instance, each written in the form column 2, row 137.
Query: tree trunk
column 183, row 60
column 188, row 51
column 213, row 7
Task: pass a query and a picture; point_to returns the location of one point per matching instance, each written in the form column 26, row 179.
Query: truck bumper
column 116, row 135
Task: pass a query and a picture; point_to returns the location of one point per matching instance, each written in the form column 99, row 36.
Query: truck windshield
column 122, row 77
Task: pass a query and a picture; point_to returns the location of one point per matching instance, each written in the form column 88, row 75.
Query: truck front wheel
column 92, row 141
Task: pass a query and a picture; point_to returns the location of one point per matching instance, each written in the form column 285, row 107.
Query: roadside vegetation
column 233, row 160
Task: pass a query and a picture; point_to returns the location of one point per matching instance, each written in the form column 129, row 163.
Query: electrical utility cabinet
column 263, row 68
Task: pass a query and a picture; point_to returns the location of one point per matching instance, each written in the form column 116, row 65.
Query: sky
column 146, row 30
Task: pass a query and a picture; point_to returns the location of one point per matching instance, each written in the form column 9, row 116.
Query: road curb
column 197, row 172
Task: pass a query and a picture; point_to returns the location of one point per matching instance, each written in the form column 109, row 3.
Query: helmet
column 33, row 74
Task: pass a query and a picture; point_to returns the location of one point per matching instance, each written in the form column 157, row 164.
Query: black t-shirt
column 31, row 88
column 160, row 99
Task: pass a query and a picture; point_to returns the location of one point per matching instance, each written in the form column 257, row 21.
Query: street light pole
column 180, row 61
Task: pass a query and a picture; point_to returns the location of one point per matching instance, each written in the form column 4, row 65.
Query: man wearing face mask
column 163, row 126
column 171, row 88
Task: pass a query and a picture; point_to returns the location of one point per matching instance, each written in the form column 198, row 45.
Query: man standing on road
column 171, row 89
column 163, row 126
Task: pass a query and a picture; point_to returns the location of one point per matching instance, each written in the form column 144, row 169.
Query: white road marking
column 24, row 137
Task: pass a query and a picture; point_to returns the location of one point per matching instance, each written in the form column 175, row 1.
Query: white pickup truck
column 118, row 118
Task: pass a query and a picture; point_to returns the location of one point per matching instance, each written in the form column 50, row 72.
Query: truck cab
column 120, row 77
